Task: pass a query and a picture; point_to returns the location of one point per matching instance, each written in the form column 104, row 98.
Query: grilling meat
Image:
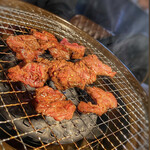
column 104, row 101
column 94, row 64
column 62, row 50
column 77, row 51
column 49, row 41
column 55, row 65
column 59, row 110
column 102, row 97
column 66, row 77
column 45, row 39
column 87, row 75
column 53, row 103
column 67, row 74
column 33, row 74
column 59, row 52
column 26, row 47
column 63, row 73
column 47, row 95
column 91, row 108
column 43, row 36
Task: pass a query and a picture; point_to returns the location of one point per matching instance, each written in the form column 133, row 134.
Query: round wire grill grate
column 125, row 127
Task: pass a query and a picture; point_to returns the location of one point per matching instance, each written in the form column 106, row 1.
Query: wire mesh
column 124, row 127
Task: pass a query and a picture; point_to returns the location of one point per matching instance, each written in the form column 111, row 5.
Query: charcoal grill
column 125, row 127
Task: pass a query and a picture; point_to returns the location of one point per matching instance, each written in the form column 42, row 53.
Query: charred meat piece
column 104, row 101
column 77, row 51
column 102, row 97
column 53, row 103
column 67, row 74
column 44, row 36
column 45, row 39
column 66, row 77
column 84, row 107
column 62, row 50
column 26, row 47
column 49, row 41
column 59, row 110
column 47, row 95
column 94, row 64
column 43, row 61
column 84, row 72
column 55, row 65
column 33, row 74
column 59, row 52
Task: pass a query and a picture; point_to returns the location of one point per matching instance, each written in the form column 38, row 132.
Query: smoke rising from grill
column 130, row 27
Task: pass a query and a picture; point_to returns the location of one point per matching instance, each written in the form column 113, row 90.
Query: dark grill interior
column 122, row 128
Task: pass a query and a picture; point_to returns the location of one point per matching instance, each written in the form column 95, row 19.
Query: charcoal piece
column 5, row 87
column 10, row 61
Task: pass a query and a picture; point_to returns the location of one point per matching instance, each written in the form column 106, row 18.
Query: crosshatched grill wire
column 124, row 127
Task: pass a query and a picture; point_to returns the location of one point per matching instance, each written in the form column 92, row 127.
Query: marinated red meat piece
column 59, row 52
column 84, row 72
column 44, row 36
column 67, row 74
column 49, row 41
column 47, row 95
column 45, row 39
column 77, row 51
column 84, row 107
column 26, row 55
column 33, row 74
column 26, row 47
column 66, row 77
column 39, row 35
column 43, row 61
column 53, row 103
column 63, row 75
column 104, row 101
column 59, row 110
column 94, row 64
column 62, row 50
column 102, row 97
column 55, row 65
column 23, row 41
